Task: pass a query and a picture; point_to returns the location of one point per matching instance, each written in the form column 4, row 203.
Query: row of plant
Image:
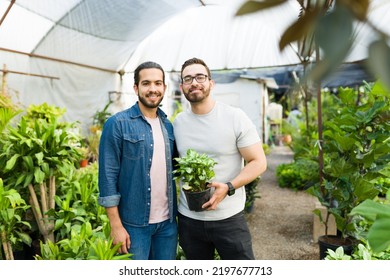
column 45, row 198
column 356, row 152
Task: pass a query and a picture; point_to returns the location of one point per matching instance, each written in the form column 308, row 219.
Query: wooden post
column 4, row 81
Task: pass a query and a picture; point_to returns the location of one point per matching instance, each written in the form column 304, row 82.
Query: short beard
column 197, row 98
column 147, row 104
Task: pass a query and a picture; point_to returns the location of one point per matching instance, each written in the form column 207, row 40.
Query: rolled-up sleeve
column 109, row 201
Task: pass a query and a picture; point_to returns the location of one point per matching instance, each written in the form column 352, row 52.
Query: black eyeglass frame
column 196, row 77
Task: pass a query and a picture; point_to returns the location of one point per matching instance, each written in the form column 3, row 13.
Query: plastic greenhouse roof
column 119, row 34
column 79, row 46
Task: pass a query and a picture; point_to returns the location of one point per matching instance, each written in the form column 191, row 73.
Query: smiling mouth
column 195, row 90
column 153, row 96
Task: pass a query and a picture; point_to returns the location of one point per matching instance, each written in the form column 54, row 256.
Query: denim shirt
column 125, row 159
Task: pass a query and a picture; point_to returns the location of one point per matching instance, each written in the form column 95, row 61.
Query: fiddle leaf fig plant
column 195, row 170
column 356, row 148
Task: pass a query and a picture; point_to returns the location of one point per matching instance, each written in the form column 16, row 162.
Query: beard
column 150, row 103
column 198, row 96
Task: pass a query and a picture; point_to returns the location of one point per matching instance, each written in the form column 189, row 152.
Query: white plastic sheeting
column 222, row 39
column 80, row 45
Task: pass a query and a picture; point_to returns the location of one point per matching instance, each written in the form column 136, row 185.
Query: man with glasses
column 227, row 135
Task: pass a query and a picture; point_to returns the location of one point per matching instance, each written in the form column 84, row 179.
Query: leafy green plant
column 195, row 170
column 84, row 243
column 178, row 109
column 356, row 153
column 362, row 252
column 101, row 116
column 77, row 200
column 377, row 215
column 8, row 110
column 12, row 226
column 32, row 154
column 44, row 111
column 251, row 193
column 337, row 255
column 298, row 175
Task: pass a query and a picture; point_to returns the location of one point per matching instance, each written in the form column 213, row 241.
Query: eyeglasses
column 200, row 78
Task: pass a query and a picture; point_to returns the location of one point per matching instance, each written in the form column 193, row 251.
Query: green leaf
column 254, row 6
column 39, row 157
column 358, row 7
column 327, row 33
column 378, row 235
column 28, row 179
column 370, row 210
column 11, row 162
column 24, row 237
column 29, row 162
column 304, row 26
column 39, row 175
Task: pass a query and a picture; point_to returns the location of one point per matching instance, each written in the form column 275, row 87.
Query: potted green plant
column 195, row 171
column 356, row 152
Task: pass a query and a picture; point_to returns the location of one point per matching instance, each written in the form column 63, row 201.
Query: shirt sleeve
column 109, row 164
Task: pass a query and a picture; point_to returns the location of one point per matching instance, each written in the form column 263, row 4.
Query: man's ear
column 135, row 87
column 212, row 84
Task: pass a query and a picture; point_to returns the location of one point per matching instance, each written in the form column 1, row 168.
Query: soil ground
column 281, row 223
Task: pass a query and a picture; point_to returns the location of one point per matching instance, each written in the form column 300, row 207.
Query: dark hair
column 147, row 65
column 195, row 61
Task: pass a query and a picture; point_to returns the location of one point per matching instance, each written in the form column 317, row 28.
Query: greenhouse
column 311, row 79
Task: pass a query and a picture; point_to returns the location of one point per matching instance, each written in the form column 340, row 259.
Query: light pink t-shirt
column 158, row 173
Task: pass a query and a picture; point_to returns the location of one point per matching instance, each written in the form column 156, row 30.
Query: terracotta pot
column 84, row 163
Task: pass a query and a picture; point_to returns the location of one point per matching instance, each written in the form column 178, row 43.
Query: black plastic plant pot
column 195, row 200
column 333, row 242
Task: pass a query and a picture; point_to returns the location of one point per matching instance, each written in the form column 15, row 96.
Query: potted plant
column 356, row 152
column 195, row 171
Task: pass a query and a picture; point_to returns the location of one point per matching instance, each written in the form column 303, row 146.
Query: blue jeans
column 153, row 242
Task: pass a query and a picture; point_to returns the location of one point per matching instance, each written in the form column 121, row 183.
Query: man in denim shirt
column 135, row 172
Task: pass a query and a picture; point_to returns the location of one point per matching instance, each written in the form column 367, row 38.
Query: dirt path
column 282, row 221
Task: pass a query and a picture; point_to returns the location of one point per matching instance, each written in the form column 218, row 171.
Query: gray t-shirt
column 219, row 134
